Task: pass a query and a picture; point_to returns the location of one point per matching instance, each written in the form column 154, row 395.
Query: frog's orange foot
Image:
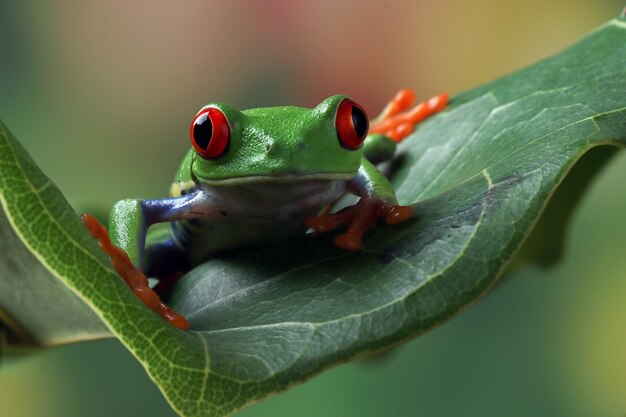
column 397, row 121
column 135, row 279
column 359, row 218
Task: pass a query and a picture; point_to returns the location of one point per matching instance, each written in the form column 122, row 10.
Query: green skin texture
column 282, row 165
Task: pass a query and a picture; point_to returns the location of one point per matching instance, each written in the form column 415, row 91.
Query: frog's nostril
column 273, row 149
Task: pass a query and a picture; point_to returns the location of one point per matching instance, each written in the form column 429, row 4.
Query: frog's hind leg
column 378, row 148
column 396, row 122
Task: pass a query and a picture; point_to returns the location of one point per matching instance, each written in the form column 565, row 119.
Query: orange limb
column 135, row 279
column 359, row 218
column 397, row 121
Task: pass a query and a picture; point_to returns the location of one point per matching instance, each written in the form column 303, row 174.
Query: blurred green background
column 101, row 94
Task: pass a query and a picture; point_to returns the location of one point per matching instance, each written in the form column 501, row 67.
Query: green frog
column 258, row 176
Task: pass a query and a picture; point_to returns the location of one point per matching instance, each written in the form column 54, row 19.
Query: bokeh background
column 101, row 94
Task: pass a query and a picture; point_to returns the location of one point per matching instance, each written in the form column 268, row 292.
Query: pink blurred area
column 162, row 55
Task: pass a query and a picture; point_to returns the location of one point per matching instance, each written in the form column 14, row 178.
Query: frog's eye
column 210, row 133
column 351, row 123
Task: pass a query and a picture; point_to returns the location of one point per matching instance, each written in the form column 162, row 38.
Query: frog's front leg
column 378, row 201
column 130, row 219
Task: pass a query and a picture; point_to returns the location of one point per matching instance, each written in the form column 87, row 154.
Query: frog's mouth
column 278, row 178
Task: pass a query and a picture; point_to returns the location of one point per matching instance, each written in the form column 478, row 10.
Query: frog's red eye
column 351, row 123
column 210, row 133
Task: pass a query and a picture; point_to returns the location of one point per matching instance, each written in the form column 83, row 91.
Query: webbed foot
column 359, row 218
column 397, row 121
column 135, row 279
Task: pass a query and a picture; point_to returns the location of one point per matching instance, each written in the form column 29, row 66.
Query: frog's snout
column 279, row 149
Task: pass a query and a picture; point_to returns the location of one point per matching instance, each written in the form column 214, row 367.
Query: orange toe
column 397, row 123
column 398, row 214
column 348, row 241
column 321, row 223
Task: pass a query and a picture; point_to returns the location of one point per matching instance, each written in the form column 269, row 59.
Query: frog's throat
column 279, row 178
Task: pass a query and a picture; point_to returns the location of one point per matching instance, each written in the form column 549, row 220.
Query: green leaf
column 36, row 307
column 479, row 175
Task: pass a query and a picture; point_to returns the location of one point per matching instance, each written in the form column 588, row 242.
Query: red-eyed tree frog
column 262, row 175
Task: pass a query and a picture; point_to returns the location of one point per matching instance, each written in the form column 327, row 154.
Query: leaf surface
column 36, row 307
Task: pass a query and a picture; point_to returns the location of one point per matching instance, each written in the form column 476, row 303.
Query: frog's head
column 278, row 143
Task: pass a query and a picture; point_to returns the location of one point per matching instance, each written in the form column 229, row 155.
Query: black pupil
column 202, row 131
column 359, row 121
